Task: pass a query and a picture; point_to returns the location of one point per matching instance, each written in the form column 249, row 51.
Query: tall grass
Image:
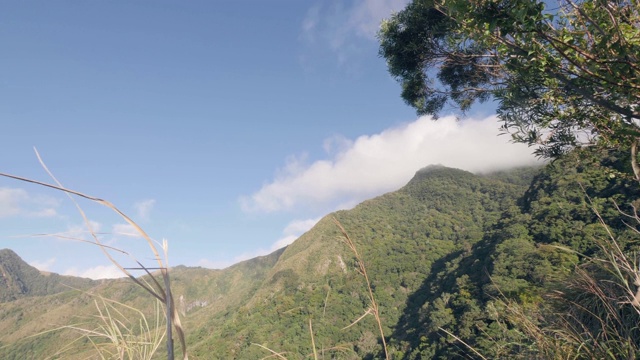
column 596, row 312
column 362, row 269
column 118, row 331
column 158, row 288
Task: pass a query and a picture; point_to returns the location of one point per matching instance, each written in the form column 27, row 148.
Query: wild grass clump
column 158, row 288
column 118, row 331
column 595, row 313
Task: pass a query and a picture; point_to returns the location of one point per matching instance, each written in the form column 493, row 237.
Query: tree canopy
column 563, row 73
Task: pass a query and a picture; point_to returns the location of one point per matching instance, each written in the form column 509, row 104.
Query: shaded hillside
column 520, row 259
column 19, row 279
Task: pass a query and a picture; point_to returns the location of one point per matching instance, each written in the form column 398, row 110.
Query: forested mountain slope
column 531, row 252
column 19, row 279
column 444, row 255
column 199, row 294
column 400, row 236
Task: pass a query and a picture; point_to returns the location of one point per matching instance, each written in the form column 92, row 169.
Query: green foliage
column 451, row 258
column 563, row 73
column 440, row 214
column 199, row 294
column 399, row 235
column 520, row 259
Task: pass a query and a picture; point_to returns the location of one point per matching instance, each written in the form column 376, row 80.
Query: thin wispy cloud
column 373, row 164
column 44, row 265
column 213, row 264
column 48, row 212
column 11, row 201
column 143, row 208
column 81, row 231
column 365, row 16
column 19, row 202
column 291, row 232
column 345, row 28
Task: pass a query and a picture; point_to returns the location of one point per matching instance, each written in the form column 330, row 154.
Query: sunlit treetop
column 563, row 73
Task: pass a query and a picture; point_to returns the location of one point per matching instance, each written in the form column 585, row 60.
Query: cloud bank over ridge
column 374, row 164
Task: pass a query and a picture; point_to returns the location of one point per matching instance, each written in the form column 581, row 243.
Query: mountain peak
column 19, row 279
column 8, row 253
column 439, row 171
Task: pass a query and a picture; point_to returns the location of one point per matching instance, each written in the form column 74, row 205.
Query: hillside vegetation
column 449, row 253
column 19, row 279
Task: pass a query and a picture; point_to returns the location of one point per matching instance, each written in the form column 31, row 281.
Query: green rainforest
column 525, row 263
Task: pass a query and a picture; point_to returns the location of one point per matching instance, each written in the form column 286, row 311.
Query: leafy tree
column 563, row 73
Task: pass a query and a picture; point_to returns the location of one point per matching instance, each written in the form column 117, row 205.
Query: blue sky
column 226, row 127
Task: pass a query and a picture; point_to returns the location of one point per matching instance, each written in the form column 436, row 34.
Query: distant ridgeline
column 19, row 279
column 439, row 252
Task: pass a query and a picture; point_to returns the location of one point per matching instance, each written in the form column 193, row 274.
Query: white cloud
column 291, row 233
column 43, row 213
column 346, row 27
column 43, row 265
column 97, row 272
column 212, row 264
column 81, row 231
column 18, row 202
column 144, row 207
column 10, row 200
column 221, row 264
column 299, row 227
column 310, row 23
column 383, row 162
column 365, row 16
column 282, row 242
column 336, row 144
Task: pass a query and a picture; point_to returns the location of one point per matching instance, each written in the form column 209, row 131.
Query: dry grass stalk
column 601, row 312
column 314, row 353
column 273, row 353
column 373, row 305
column 159, row 292
column 463, row 343
column 122, row 332
column 313, row 341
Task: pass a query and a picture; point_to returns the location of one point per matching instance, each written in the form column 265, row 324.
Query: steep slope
column 520, row 259
column 405, row 238
column 19, row 279
column 400, row 236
